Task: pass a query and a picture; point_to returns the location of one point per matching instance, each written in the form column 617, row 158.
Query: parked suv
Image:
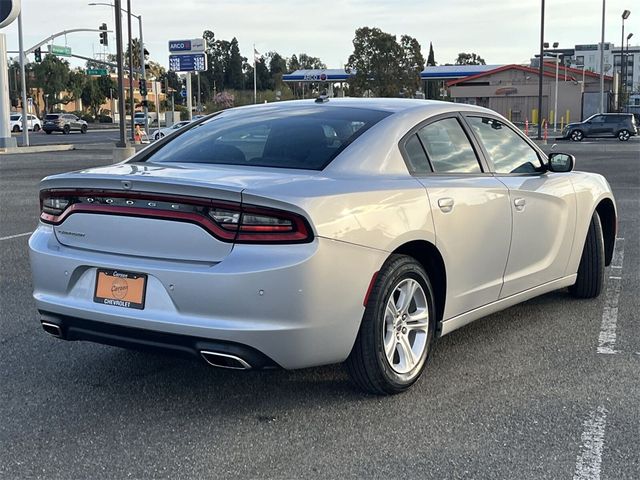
column 63, row 122
column 15, row 122
column 620, row 125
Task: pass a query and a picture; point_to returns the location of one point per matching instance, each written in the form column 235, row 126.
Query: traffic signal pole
column 144, row 79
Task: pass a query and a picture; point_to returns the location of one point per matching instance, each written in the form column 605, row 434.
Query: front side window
column 597, row 119
column 448, row 147
column 303, row 137
column 506, row 149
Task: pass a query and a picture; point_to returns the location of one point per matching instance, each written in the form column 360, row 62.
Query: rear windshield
column 51, row 117
column 306, row 137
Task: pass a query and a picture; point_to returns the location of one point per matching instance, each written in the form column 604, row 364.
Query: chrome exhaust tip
column 224, row 360
column 52, row 329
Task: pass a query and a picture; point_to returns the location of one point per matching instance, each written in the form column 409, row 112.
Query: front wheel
column 397, row 332
column 591, row 269
column 623, row 135
column 83, row 129
column 48, row 132
column 16, row 128
column 577, row 135
column 66, row 129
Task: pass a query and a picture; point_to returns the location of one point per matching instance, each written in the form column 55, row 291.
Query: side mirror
column 561, row 162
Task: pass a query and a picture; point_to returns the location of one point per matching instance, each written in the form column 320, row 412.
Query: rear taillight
column 227, row 221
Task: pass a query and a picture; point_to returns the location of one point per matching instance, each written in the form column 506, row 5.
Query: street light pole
column 626, row 105
column 541, row 67
column 625, row 15
column 144, row 79
column 602, row 61
column 131, row 99
column 121, row 106
column 555, row 99
column 25, row 114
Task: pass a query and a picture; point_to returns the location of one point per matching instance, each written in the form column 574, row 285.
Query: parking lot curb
column 37, row 149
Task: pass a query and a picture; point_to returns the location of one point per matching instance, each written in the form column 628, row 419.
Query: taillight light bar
column 227, row 221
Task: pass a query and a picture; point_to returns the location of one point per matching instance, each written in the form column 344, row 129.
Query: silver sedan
column 307, row 233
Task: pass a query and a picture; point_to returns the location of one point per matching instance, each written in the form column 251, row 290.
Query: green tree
column 383, row 67
column 411, row 65
column 52, row 76
column 431, row 59
column 469, row 59
column 307, row 62
column 277, row 67
column 293, row 64
column 234, row 77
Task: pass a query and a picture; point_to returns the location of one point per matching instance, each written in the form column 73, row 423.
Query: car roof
column 392, row 105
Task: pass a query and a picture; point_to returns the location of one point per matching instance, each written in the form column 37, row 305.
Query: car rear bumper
column 298, row 305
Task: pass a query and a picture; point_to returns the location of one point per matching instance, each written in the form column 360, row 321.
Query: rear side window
column 14, row 118
column 306, row 137
column 507, row 150
column 613, row 119
column 448, row 147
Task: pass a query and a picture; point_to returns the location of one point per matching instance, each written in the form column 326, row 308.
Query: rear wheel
column 623, row 135
column 577, row 135
column 16, row 128
column 48, row 132
column 591, row 270
column 397, row 331
column 66, row 129
column 83, row 129
column 36, row 128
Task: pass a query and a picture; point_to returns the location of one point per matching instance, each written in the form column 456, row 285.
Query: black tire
column 576, row 135
column 591, row 270
column 48, row 132
column 367, row 363
column 623, row 135
column 16, row 128
column 83, row 129
column 36, row 128
column 66, row 129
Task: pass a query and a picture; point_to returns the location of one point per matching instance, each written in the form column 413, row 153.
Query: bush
column 87, row 118
column 105, row 119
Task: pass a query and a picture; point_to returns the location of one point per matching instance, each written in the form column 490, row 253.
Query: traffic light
column 104, row 39
column 38, row 54
column 142, row 86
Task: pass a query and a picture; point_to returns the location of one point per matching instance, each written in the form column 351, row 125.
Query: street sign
column 97, row 71
column 9, row 10
column 190, row 62
column 187, row 46
column 183, row 93
column 60, row 50
column 179, row 45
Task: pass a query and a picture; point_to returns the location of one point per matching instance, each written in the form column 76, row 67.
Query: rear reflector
column 227, row 221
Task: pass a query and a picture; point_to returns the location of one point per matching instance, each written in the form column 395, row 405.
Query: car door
column 470, row 210
column 543, row 206
column 597, row 126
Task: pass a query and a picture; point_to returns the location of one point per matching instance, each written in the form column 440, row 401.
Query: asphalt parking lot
column 522, row 394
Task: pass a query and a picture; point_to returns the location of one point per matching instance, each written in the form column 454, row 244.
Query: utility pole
column 25, row 113
column 144, row 78
column 602, row 61
column 199, row 107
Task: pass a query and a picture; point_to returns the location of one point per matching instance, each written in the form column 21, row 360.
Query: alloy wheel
column 406, row 326
column 623, row 135
column 576, row 136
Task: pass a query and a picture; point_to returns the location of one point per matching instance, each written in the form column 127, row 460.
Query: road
column 521, row 394
column 111, row 135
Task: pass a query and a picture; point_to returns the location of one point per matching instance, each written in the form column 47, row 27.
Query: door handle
column 446, row 204
column 519, row 204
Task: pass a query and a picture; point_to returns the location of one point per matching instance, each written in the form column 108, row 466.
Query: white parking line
column 16, row 236
column 589, row 460
column 607, row 337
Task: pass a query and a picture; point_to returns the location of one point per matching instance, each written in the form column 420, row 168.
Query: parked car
column 305, row 233
column 63, row 122
column 620, row 125
column 15, row 122
column 163, row 132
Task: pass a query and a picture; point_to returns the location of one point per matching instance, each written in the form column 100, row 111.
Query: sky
column 500, row 31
